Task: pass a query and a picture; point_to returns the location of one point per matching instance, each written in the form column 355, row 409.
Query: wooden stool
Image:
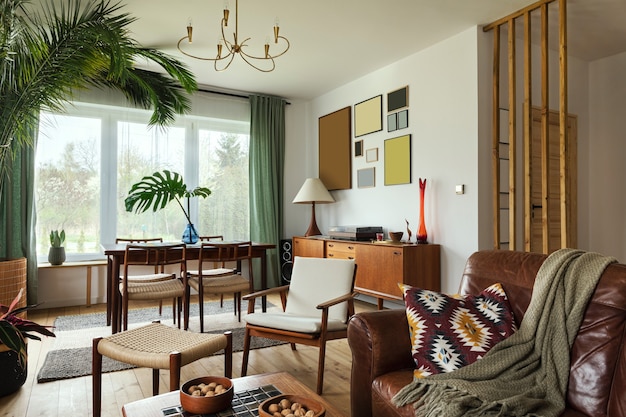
column 157, row 346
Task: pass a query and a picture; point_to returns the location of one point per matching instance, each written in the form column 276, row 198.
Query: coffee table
column 283, row 381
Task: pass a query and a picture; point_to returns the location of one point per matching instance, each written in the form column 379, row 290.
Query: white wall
column 443, row 117
column 607, row 157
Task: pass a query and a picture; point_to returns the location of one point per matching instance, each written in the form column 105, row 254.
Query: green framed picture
column 398, row 160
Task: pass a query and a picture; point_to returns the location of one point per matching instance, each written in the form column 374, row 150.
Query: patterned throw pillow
column 450, row 331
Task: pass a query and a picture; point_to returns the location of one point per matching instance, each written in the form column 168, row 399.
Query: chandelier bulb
column 267, row 50
column 219, row 49
column 226, row 13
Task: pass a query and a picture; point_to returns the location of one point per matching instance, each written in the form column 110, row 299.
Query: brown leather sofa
column 381, row 349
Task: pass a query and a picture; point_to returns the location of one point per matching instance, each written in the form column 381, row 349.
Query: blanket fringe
column 436, row 400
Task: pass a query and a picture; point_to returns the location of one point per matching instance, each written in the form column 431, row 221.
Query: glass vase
column 422, row 235
column 190, row 235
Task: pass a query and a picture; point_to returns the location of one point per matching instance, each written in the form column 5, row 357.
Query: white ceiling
column 336, row 41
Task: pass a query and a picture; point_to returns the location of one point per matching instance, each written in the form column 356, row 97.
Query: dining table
column 115, row 253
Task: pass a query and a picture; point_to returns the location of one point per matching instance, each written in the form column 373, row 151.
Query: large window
column 88, row 158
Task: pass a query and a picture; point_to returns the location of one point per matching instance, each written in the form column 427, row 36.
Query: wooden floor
column 72, row 397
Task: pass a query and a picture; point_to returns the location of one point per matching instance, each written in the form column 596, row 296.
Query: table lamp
column 313, row 191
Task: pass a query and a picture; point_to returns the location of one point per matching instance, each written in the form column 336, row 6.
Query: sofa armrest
column 380, row 343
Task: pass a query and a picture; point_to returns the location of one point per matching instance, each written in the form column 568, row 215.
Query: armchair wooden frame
column 310, row 339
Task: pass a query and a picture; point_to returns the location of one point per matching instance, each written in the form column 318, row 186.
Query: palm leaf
column 47, row 55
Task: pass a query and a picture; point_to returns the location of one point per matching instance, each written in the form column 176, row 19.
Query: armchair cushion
column 319, row 280
column 450, row 331
column 290, row 322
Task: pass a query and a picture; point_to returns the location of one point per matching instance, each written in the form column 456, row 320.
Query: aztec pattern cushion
column 450, row 331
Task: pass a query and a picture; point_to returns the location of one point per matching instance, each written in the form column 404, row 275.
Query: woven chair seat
column 217, row 272
column 156, row 290
column 150, row 278
column 232, row 283
column 150, row 346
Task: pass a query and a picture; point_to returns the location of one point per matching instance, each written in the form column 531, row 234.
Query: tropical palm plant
column 49, row 52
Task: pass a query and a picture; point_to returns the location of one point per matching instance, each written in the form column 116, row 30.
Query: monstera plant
column 157, row 190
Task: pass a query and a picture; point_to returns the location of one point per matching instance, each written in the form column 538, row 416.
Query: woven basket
column 12, row 279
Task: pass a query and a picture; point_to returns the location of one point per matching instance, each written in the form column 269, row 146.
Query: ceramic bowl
column 396, row 236
column 306, row 402
column 206, row 405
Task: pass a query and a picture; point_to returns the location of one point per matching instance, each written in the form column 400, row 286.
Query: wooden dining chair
column 156, row 269
column 317, row 304
column 226, row 278
column 154, row 285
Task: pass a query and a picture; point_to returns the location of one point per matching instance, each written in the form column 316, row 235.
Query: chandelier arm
column 246, row 56
column 232, row 56
column 241, row 51
column 230, row 53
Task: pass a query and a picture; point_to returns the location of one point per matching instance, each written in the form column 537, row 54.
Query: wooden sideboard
column 381, row 265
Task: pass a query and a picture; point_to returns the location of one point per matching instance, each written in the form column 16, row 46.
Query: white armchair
column 316, row 307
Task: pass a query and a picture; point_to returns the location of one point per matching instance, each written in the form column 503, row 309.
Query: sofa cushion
column 450, row 331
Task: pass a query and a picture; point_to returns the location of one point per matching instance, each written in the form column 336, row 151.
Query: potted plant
column 157, row 190
column 56, row 254
column 14, row 330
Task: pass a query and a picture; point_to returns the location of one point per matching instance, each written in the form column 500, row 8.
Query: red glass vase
column 422, row 236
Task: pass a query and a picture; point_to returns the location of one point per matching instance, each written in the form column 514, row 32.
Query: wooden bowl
column 396, row 236
column 206, row 405
column 308, row 403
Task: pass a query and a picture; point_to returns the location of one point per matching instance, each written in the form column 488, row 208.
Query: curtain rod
column 241, row 95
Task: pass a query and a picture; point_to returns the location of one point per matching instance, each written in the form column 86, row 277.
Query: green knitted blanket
column 527, row 373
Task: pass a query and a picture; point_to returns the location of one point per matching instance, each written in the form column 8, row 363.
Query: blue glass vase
column 190, row 235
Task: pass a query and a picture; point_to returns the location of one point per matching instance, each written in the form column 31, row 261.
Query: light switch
column 460, row 189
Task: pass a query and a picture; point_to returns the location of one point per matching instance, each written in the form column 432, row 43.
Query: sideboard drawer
column 340, row 250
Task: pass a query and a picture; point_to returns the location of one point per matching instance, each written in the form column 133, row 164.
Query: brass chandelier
column 263, row 63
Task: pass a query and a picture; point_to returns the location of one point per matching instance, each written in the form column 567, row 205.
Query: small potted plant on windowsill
column 56, row 254
column 14, row 331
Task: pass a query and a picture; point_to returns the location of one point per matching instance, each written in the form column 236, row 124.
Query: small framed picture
column 366, row 177
column 398, row 99
column 371, row 155
column 392, row 122
column 358, row 148
column 403, row 119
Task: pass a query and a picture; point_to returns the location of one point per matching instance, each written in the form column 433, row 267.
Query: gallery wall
column 443, row 125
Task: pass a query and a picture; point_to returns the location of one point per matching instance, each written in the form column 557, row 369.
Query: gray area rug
column 73, row 362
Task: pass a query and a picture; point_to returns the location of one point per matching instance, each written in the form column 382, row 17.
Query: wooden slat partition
column 495, row 150
column 563, row 114
column 496, row 26
column 545, row 106
column 512, row 135
column 527, row 127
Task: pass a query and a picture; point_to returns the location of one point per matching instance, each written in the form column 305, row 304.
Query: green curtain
column 17, row 214
column 267, row 160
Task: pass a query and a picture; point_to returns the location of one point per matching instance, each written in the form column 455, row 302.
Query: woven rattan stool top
column 150, row 346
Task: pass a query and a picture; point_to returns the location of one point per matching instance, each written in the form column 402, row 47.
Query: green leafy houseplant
column 157, row 190
column 57, row 239
column 14, row 330
column 53, row 48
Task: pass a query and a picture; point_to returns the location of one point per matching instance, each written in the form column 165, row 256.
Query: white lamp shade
column 313, row 191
